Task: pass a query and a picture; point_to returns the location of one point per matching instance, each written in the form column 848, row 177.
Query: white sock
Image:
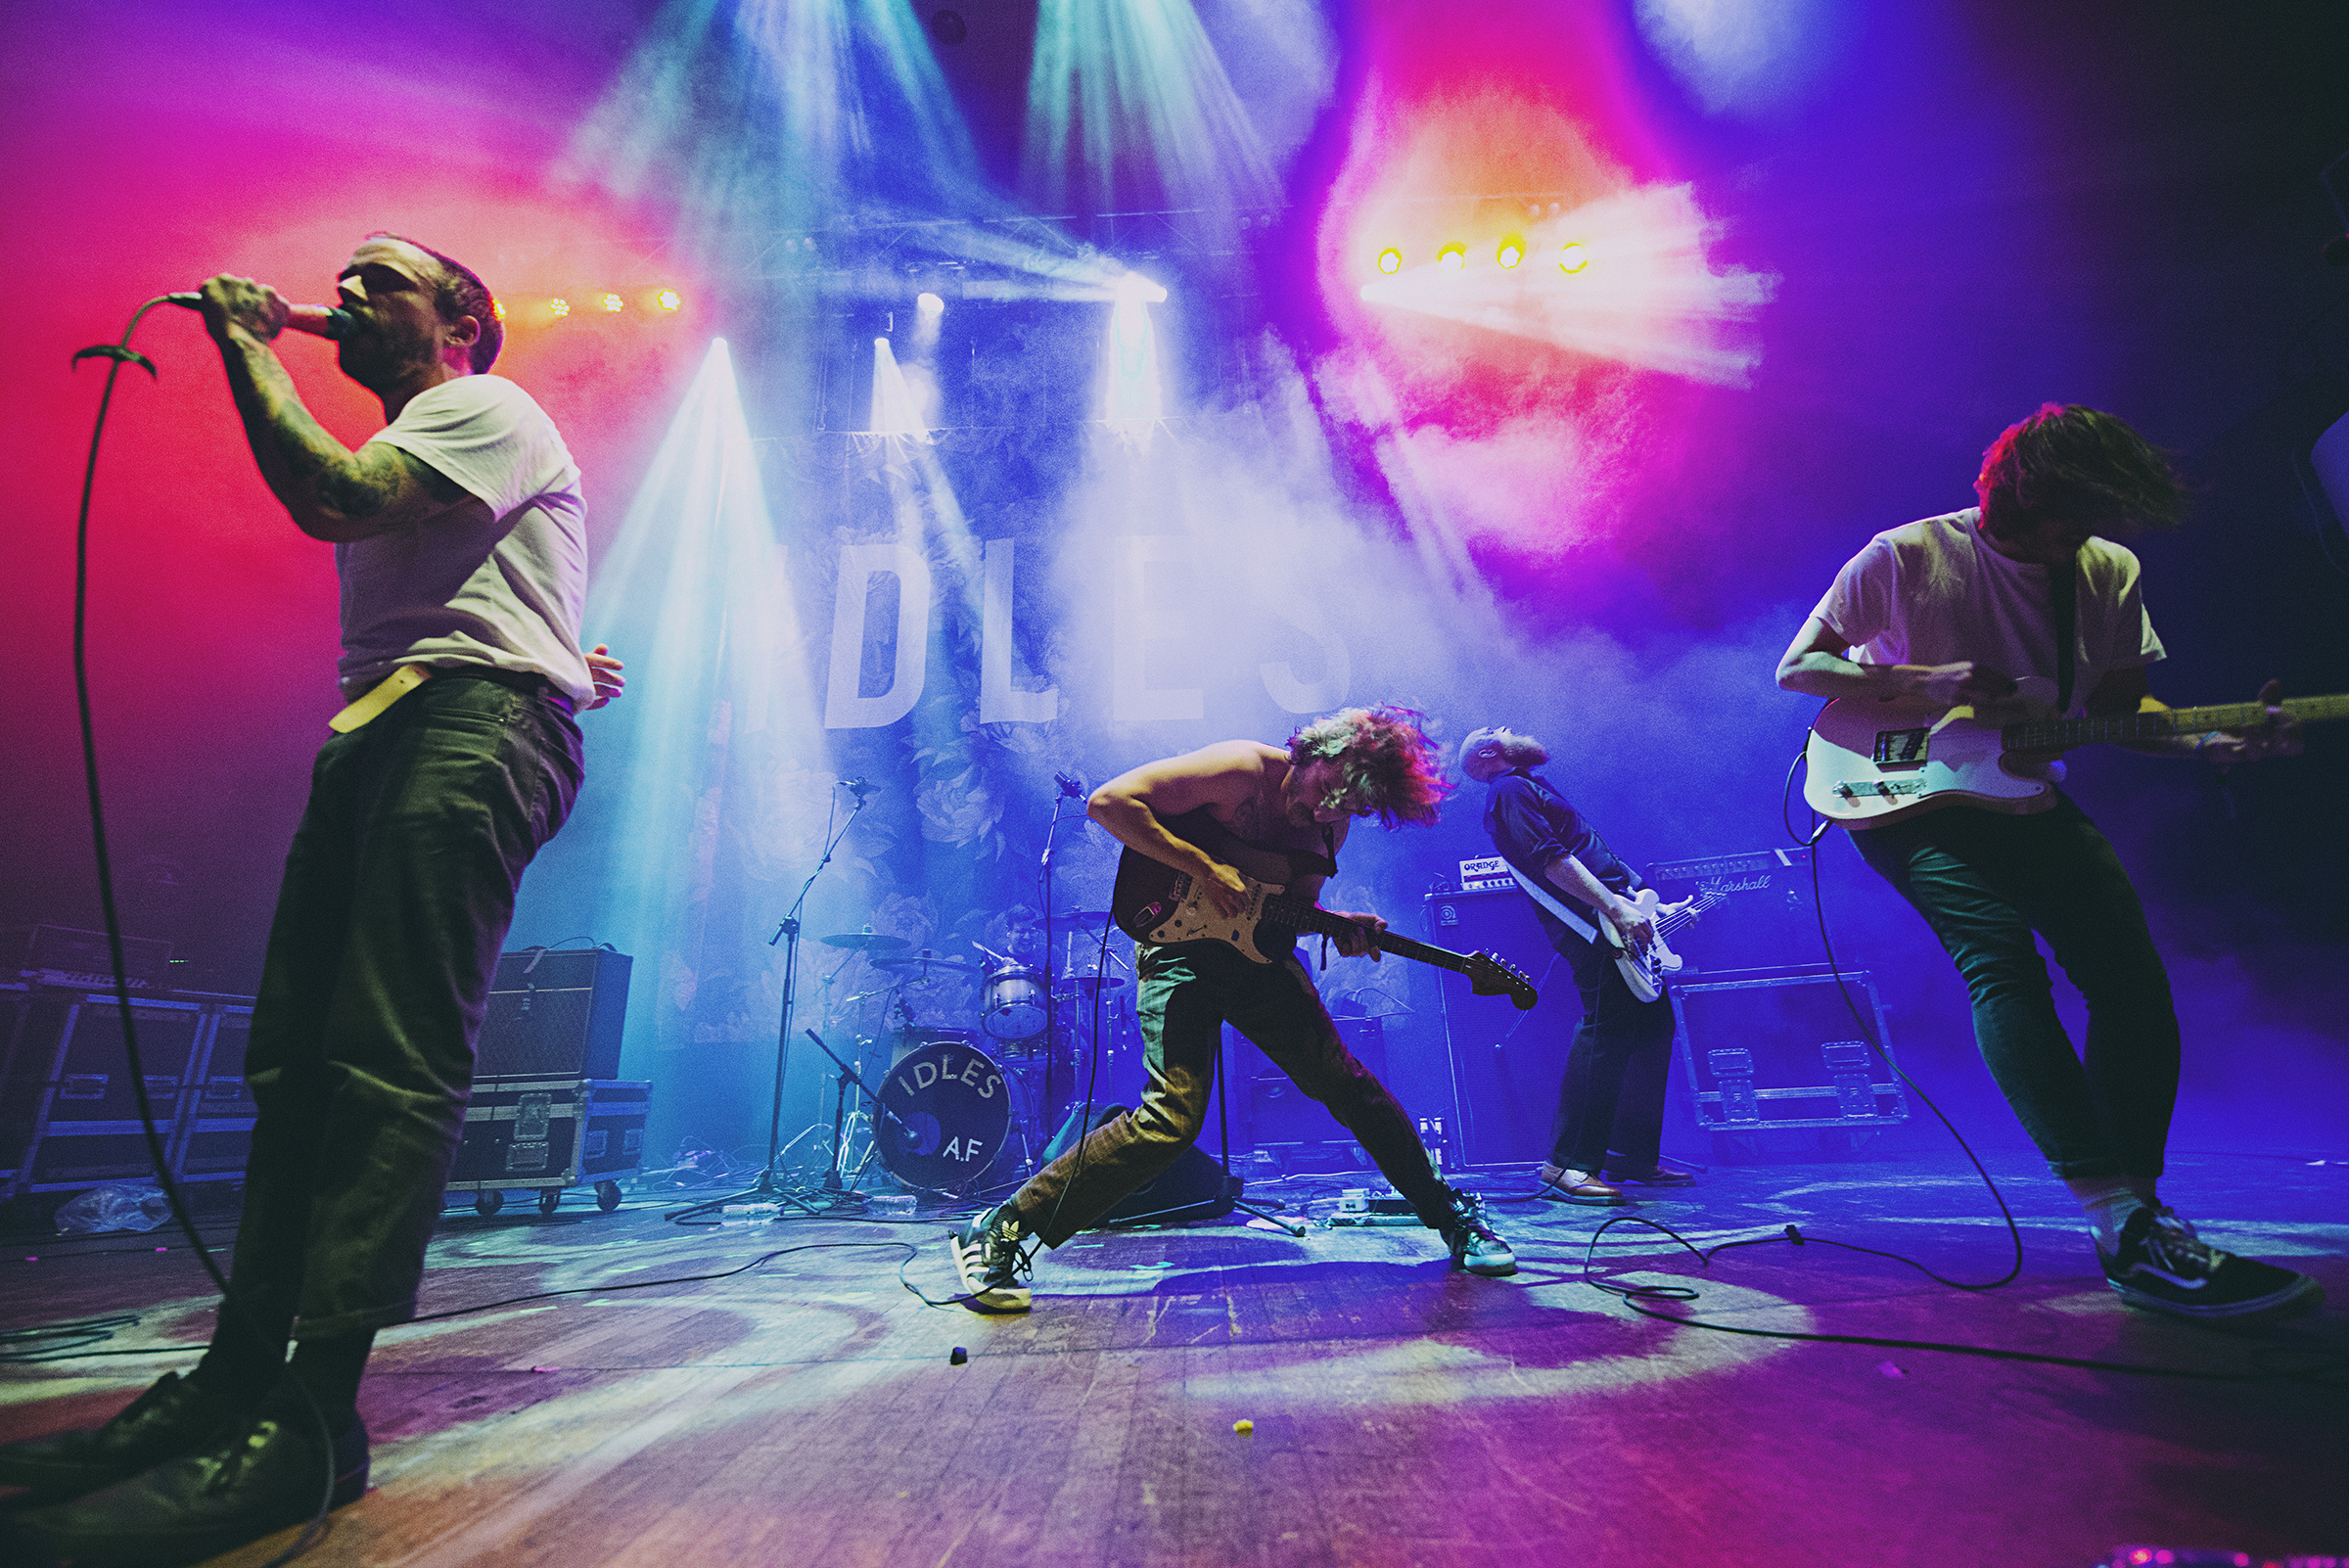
column 2107, row 1205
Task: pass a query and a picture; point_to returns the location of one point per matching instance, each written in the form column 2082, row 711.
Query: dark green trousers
column 397, row 892
column 1986, row 883
column 1187, row 991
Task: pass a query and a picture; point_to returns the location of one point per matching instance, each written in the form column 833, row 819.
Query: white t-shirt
column 509, row 592
column 1934, row 592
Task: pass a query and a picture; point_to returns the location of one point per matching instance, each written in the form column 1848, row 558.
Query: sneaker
column 177, row 1417
column 993, row 1268
column 1475, row 1245
column 1564, row 1184
column 2163, row 1267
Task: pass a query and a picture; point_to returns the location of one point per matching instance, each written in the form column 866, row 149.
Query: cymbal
column 925, row 962
column 867, row 940
column 1086, row 915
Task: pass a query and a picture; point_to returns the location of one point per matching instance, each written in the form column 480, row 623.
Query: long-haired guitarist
column 1292, row 806
column 1613, row 1094
column 1951, row 610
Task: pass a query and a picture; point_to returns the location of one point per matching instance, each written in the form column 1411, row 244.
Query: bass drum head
column 946, row 1119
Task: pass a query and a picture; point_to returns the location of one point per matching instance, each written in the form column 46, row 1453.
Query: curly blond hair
column 1386, row 762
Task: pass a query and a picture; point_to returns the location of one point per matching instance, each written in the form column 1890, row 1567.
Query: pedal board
column 1359, row 1206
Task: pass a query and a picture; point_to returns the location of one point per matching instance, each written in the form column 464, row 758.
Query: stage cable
column 2324, row 1367
column 1869, row 1033
column 119, row 355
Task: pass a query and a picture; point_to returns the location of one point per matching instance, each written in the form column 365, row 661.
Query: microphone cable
column 118, row 355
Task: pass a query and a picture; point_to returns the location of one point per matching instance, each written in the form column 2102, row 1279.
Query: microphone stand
column 788, row 934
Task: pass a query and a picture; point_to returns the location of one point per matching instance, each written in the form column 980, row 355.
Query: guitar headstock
column 1489, row 976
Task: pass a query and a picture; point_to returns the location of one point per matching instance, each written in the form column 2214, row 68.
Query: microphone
column 858, row 788
column 319, row 321
column 1070, row 786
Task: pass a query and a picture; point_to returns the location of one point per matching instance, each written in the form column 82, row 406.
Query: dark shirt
column 1532, row 824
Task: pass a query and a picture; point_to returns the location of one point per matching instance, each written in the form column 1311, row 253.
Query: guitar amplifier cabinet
column 1766, row 920
column 1506, row 1065
column 549, row 1133
column 555, row 1012
column 1780, row 1050
column 1283, row 1122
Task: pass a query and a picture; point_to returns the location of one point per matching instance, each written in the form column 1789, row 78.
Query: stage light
column 498, row 308
column 1453, row 257
column 1134, row 286
column 1389, row 260
column 561, row 308
column 1572, row 257
column 612, row 302
column 1511, row 252
column 928, row 305
column 667, row 299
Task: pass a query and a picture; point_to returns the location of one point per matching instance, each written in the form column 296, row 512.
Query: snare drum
column 1013, row 1008
column 946, row 1119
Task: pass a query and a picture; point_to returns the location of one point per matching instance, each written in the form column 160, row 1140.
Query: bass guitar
column 1155, row 902
column 1644, row 968
column 1879, row 761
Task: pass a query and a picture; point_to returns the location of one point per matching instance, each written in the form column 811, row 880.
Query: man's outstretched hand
column 605, row 671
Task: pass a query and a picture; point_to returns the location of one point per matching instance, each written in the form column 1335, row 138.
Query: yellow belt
column 380, row 696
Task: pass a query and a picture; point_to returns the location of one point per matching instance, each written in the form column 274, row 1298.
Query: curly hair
column 1386, row 762
column 457, row 293
column 1488, row 754
column 2078, row 463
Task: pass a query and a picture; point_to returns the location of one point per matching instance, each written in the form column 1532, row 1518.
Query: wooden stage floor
column 805, row 1410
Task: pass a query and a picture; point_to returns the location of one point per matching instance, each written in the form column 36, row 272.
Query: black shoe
column 993, row 1268
column 269, row 1473
column 175, row 1417
column 1656, row 1175
column 2163, row 1267
column 1475, row 1245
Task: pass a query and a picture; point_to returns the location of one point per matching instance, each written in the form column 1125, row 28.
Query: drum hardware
column 924, row 962
column 840, row 1108
column 866, row 941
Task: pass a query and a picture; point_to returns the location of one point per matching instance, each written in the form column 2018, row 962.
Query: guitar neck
column 1305, row 917
column 2059, row 734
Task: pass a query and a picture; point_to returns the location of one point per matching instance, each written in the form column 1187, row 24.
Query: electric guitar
column 1879, row 761
column 1645, row 969
column 1155, row 902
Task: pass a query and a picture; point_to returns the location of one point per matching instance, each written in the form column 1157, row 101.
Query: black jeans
column 397, row 892
column 1187, row 992
column 1613, row 1094
column 1985, row 882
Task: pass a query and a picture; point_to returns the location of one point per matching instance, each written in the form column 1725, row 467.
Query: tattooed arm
column 331, row 491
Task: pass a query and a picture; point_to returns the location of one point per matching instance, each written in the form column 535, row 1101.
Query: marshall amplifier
column 1766, row 918
column 555, row 1012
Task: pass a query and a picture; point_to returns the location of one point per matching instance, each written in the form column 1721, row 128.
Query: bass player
column 1948, row 611
column 1615, row 1069
column 1295, row 802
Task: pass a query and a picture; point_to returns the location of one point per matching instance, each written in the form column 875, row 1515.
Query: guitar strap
column 1549, row 900
column 2063, row 593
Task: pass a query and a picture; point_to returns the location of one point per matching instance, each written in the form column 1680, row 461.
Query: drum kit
column 969, row 1099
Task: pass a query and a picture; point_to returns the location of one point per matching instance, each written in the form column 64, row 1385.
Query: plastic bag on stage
column 117, row 1206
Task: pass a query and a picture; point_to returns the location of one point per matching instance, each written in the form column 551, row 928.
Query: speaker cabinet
column 555, row 1014
column 1767, row 921
column 1506, row 1065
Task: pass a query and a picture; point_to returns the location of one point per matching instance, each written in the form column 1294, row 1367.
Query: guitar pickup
column 1881, row 788
column 1902, row 748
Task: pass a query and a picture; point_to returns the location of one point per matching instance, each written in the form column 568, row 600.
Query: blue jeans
column 1187, row 992
column 1985, row 882
column 397, row 892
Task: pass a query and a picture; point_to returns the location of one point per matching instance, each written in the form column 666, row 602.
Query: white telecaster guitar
column 1878, row 761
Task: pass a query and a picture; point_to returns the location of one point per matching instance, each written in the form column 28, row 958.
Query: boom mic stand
column 788, row 934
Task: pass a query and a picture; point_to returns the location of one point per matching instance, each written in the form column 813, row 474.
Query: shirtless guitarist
column 1276, row 803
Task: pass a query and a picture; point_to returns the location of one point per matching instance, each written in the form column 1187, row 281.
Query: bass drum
column 946, row 1119
column 1014, row 1007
